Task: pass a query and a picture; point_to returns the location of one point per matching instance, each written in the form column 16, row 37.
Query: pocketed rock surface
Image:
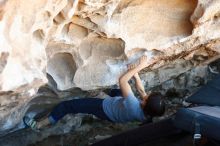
column 88, row 44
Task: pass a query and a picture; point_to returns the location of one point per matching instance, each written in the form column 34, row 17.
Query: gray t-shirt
column 121, row 110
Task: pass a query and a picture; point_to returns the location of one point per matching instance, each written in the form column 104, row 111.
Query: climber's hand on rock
column 132, row 66
column 143, row 62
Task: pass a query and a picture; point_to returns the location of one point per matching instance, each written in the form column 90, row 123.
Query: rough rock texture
column 90, row 44
column 83, row 130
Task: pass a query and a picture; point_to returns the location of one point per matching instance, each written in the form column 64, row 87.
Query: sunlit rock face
column 88, row 44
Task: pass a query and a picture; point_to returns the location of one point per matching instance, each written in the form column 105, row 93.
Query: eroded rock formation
column 88, row 44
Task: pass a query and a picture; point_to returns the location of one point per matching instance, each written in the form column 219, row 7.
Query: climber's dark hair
column 155, row 105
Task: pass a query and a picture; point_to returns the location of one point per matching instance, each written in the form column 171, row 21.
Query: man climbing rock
column 118, row 109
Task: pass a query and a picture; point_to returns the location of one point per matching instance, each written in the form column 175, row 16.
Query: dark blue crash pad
column 209, row 94
column 207, row 117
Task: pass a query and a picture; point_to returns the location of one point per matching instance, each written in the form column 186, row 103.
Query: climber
column 118, row 109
